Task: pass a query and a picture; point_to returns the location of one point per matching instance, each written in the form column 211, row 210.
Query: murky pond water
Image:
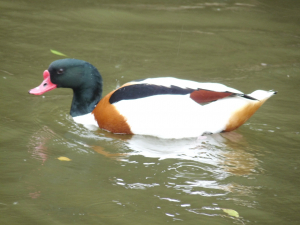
column 113, row 179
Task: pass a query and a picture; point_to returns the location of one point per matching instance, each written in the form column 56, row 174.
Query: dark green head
column 75, row 74
column 81, row 76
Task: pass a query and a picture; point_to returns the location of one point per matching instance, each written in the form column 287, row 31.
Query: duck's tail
column 261, row 95
column 242, row 114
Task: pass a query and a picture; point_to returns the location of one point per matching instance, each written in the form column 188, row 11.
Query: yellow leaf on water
column 231, row 212
column 57, row 52
column 62, row 158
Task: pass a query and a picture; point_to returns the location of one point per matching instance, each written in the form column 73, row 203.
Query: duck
column 165, row 107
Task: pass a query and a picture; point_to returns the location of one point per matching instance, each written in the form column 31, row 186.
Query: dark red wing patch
column 203, row 96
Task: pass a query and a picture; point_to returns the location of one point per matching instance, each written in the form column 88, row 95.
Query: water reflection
column 37, row 143
column 220, row 154
column 225, row 153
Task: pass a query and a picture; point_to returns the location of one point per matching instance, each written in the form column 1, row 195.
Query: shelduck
column 165, row 107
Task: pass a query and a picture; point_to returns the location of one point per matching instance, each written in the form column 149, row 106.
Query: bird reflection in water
column 225, row 150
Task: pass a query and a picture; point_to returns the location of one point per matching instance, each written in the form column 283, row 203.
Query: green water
column 114, row 179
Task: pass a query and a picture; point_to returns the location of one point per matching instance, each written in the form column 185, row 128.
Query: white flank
column 178, row 116
column 164, row 116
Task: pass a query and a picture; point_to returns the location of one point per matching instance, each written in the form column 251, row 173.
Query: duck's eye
column 60, row 71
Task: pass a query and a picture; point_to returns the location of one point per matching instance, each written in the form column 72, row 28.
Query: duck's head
column 69, row 73
column 81, row 76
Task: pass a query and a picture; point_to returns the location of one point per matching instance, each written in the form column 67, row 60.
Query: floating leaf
column 62, row 158
column 57, row 52
column 231, row 212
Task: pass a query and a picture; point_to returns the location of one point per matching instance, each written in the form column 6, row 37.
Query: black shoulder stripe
column 137, row 91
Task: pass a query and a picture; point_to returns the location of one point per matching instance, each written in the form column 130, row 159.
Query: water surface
column 113, row 179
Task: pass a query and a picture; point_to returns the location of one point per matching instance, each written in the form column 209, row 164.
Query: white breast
column 88, row 120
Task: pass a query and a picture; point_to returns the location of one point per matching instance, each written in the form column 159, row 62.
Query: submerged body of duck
column 164, row 107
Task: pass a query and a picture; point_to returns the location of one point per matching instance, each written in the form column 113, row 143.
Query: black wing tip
column 251, row 98
column 248, row 97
